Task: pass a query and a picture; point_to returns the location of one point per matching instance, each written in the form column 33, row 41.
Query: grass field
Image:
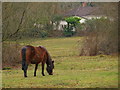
column 71, row 70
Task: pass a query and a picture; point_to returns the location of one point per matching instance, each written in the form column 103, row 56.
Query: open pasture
column 71, row 70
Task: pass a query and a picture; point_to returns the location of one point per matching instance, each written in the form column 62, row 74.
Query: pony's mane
column 49, row 60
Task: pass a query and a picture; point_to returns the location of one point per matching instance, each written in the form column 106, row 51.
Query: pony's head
column 50, row 68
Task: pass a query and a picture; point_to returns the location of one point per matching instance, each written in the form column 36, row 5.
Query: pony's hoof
column 43, row 74
column 25, row 76
column 34, row 75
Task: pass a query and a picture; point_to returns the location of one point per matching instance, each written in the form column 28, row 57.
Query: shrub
column 72, row 22
column 102, row 38
column 10, row 54
column 68, row 32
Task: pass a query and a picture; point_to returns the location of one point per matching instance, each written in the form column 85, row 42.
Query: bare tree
column 12, row 20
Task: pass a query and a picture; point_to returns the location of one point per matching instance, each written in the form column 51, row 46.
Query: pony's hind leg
column 25, row 70
column 43, row 68
column 36, row 65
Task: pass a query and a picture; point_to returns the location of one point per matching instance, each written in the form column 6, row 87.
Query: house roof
column 82, row 11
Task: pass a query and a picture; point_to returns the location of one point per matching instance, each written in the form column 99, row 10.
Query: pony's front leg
column 43, row 68
column 35, row 69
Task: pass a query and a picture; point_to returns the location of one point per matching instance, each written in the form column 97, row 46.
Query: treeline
column 32, row 19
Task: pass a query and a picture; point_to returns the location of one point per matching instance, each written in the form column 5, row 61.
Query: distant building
column 84, row 11
column 62, row 24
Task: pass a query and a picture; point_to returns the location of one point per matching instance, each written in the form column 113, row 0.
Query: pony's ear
column 52, row 61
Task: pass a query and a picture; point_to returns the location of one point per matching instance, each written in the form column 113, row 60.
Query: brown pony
column 36, row 55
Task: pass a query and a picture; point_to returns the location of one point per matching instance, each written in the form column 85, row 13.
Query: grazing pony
column 36, row 55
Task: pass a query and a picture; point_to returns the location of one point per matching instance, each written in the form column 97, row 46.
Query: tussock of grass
column 71, row 70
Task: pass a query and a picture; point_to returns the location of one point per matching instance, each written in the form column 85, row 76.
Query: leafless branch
column 21, row 20
column 19, row 25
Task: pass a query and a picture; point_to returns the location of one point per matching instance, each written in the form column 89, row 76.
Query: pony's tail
column 23, row 58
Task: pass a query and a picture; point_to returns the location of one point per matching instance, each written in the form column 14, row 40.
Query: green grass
column 71, row 70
